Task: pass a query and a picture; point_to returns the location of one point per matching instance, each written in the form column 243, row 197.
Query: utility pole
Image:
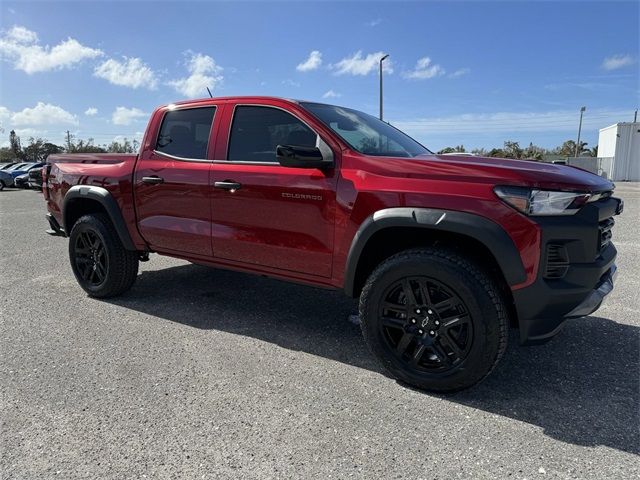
column 68, row 141
column 579, row 130
column 381, row 60
column 635, row 116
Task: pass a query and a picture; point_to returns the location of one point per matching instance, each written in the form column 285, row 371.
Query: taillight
column 45, row 177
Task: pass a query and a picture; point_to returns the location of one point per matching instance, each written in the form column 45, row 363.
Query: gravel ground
column 199, row 373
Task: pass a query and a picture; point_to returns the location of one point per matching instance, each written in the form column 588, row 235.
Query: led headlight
column 542, row 202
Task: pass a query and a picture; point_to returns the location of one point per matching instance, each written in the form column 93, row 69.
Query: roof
column 233, row 98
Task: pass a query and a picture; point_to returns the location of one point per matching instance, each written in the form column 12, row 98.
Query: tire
column 434, row 319
column 2, row 185
column 100, row 263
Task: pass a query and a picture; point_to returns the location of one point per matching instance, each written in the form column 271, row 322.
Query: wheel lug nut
column 420, row 332
column 429, row 312
column 418, row 311
column 437, row 322
column 413, row 320
column 432, row 333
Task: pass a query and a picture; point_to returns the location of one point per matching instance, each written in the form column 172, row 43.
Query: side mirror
column 302, row 157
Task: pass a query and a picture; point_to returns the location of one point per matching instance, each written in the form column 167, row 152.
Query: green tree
column 568, row 148
column 456, row 149
column 497, row 152
column 533, row 152
column 125, row 146
column 84, row 146
column 14, row 145
column 38, row 150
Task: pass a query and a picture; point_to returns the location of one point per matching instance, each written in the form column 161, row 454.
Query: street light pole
column 381, row 60
column 579, row 130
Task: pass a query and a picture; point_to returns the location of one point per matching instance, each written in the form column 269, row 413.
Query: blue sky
column 472, row 73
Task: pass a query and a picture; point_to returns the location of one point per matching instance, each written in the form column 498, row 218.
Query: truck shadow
column 581, row 388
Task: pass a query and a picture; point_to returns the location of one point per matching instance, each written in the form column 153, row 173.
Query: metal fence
column 599, row 165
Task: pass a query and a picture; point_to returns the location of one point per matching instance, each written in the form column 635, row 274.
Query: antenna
column 210, row 96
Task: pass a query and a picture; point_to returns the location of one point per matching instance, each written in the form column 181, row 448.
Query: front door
column 173, row 195
column 264, row 214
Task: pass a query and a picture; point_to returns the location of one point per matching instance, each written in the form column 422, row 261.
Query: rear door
column 172, row 188
column 264, row 214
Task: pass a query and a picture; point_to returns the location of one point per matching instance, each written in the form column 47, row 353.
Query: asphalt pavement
column 203, row 373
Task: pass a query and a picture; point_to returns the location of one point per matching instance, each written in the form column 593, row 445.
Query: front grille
column 605, row 227
column 557, row 261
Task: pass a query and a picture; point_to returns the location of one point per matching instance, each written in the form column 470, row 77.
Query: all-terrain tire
column 481, row 312
column 94, row 239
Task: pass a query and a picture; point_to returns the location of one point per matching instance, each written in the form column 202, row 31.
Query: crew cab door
column 264, row 214
column 171, row 181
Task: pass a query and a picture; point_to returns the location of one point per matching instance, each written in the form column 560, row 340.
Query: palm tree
column 568, row 148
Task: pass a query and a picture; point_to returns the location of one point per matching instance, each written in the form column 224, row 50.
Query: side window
column 256, row 131
column 185, row 133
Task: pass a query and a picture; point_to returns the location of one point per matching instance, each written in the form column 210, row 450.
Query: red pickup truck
column 444, row 252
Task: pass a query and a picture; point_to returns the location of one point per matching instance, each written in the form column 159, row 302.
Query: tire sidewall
column 485, row 324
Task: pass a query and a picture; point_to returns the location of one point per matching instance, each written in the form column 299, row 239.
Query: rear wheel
column 2, row 185
column 434, row 319
column 100, row 263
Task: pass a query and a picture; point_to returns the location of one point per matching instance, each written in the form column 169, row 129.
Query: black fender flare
column 487, row 232
column 104, row 198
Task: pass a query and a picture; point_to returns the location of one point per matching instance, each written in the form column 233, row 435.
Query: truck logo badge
column 301, row 196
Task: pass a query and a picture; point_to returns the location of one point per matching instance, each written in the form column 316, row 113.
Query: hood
column 504, row 171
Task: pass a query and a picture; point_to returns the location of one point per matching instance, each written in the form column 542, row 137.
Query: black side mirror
column 301, row 157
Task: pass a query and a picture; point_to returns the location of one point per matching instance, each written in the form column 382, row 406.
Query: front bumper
column 580, row 285
column 597, row 295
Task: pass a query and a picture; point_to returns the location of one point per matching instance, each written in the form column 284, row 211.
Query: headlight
column 542, row 202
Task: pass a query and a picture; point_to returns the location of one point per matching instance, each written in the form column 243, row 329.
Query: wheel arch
column 82, row 200
column 391, row 230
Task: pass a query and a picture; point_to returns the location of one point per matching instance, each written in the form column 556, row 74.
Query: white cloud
column 91, row 111
column 460, row 72
column 22, row 48
column 31, row 132
column 424, row 69
column 5, row 113
column 290, row 83
column 131, row 72
column 374, row 23
column 126, row 116
column 617, row 61
column 203, row 73
column 331, row 94
column 41, row 114
column 507, row 122
column 356, row 64
column 312, row 63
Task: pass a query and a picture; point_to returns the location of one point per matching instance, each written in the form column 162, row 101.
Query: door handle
column 228, row 185
column 154, row 180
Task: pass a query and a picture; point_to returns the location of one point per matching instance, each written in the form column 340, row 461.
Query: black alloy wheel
column 426, row 324
column 91, row 258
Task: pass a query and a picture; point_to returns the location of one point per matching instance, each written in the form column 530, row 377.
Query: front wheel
column 434, row 319
column 2, row 185
column 100, row 263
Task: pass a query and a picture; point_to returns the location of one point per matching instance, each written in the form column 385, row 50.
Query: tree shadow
column 582, row 388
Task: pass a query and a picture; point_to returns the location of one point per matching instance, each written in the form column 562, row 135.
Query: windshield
column 365, row 133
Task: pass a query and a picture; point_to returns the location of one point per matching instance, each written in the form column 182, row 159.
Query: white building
column 619, row 147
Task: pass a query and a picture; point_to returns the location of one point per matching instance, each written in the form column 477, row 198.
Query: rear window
column 185, row 133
